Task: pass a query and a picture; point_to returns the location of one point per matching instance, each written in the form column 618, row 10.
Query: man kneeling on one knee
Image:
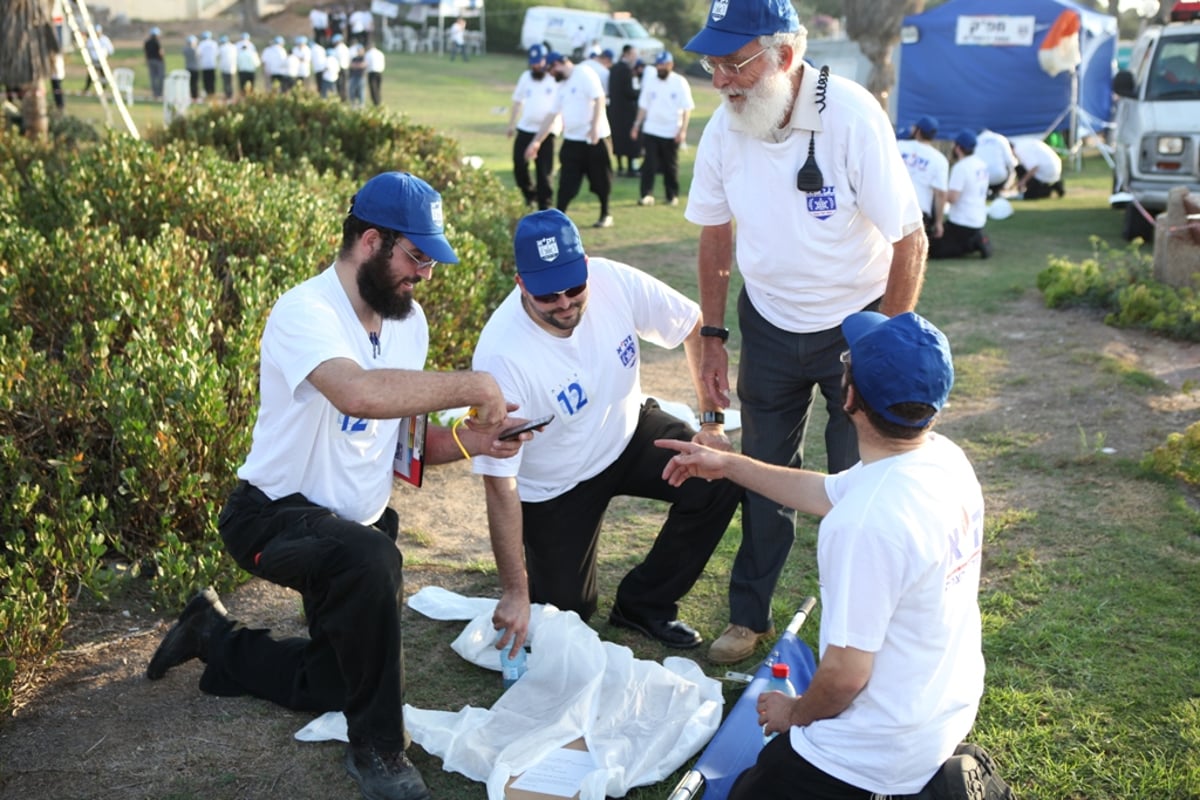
column 567, row 342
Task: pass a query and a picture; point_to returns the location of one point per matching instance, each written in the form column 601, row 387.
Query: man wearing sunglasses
column 342, row 362
column 567, row 342
column 827, row 224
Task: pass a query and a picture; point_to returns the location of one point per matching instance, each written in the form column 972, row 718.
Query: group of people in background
column 602, row 107
column 349, row 71
column 987, row 166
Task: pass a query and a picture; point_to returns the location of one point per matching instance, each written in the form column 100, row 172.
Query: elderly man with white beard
column 828, row 224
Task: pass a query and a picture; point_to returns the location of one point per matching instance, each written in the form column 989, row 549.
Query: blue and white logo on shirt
column 627, row 351
column 822, row 204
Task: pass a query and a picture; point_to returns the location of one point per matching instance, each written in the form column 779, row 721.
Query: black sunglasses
column 574, row 291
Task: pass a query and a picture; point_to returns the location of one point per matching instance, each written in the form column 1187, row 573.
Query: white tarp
column 641, row 720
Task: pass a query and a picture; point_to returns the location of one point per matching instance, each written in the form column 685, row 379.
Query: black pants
column 780, row 773
column 661, row 154
column 349, row 577
column 778, row 376
column 538, row 188
column 579, row 159
column 956, row 241
column 57, row 87
column 210, row 81
column 194, row 84
column 375, row 87
column 227, row 84
column 246, row 82
column 1037, row 190
column 562, row 534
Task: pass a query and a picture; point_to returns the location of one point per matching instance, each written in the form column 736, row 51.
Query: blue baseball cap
column 553, row 57
column 732, row 24
column 607, row 53
column 537, row 54
column 549, row 253
column 406, row 204
column 664, row 57
column 927, row 125
column 965, row 140
column 901, row 359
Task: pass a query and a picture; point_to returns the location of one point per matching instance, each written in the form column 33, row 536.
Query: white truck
column 1158, row 120
column 563, row 29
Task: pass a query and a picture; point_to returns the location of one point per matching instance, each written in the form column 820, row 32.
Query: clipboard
column 409, row 462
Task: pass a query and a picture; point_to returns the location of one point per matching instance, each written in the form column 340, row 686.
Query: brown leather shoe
column 736, row 643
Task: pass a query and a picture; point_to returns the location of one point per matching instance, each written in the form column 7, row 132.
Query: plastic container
column 779, row 681
column 511, row 669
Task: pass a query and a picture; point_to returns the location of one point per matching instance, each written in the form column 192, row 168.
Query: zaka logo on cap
column 435, row 211
column 548, row 248
column 719, row 7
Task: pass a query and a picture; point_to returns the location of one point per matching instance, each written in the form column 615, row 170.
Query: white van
column 562, row 28
column 1158, row 119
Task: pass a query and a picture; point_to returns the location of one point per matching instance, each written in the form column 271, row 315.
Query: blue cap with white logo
column 664, row 57
column 549, row 252
column 406, row 204
column 537, row 54
column 732, row 24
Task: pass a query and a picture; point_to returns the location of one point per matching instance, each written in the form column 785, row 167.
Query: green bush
column 1179, row 457
column 1121, row 282
column 135, row 280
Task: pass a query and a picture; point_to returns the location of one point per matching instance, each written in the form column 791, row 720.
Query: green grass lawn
column 1090, row 589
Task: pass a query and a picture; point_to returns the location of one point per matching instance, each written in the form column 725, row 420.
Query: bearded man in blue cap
column 342, row 364
column 567, row 342
column 827, row 224
column 899, row 550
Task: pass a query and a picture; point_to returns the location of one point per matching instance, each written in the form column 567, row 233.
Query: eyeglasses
column 574, row 291
column 427, row 263
column 727, row 69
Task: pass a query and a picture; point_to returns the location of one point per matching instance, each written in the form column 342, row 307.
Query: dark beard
column 537, row 74
column 377, row 289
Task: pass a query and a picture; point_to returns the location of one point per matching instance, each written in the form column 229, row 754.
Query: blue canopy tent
column 974, row 64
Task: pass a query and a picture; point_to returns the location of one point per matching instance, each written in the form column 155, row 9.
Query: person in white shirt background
column 664, row 108
column 967, row 214
column 929, row 171
column 1039, row 168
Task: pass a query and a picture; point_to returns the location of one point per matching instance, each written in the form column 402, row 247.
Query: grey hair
column 797, row 40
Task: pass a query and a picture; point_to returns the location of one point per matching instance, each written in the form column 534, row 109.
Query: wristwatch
column 715, row 332
column 712, row 418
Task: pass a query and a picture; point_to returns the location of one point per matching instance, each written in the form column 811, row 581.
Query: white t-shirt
column 332, row 69
column 319, row 59
column 928, row 169
column 898, row 558
column 227, row 55
column 274, row 60
column 319, row 19
column 1033, row 154
column 589, row 380
column 809, row 259
column 576, row 100
column 538, row 100
column 665, row 100
column 302, row 443
column 375, row 60
column 601, row 71
column 994, row 149
column 342, row 51
column 247, row 58
column 969, row 177
column 206, row 54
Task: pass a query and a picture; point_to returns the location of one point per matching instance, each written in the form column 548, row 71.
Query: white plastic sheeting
column 641, row 720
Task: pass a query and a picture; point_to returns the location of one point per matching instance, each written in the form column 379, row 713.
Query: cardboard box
column 512, row 793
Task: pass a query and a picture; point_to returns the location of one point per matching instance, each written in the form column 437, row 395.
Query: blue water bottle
column 778, row 682
column 511, row 669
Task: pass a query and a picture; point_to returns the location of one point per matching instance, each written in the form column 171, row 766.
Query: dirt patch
column 93, row 726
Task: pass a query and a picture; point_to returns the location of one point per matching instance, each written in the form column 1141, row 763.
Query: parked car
column 1157, row 138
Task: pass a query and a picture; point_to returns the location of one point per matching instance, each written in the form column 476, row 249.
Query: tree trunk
column 33, row 110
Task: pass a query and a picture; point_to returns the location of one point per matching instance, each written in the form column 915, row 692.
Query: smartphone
column 517, row 430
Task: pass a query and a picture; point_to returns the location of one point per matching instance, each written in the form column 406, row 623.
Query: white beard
column 763, row 106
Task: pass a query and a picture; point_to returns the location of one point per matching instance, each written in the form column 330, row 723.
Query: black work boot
column 188, row 638
column 384, row 776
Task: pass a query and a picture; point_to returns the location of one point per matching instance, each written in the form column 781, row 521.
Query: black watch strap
column 715, row 332
column 712, row 418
